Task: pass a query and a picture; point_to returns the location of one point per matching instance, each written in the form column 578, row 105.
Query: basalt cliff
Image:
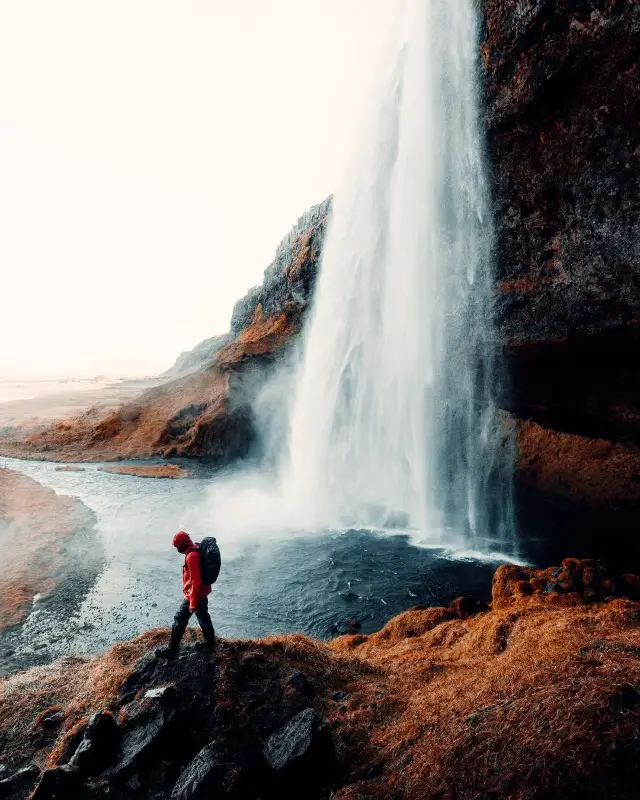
column 562, row 88
column 563, row 103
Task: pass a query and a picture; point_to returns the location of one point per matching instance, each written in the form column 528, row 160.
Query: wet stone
column 292, row 742
column 166, row 694
column 53, row 719
column 58, row 783
column 99, row 746
column 138, row 742
column 20, row 782
column 200, row 776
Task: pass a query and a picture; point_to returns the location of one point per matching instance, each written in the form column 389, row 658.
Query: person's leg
column 180, row 622
column 208, row 633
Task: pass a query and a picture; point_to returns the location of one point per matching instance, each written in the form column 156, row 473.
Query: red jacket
column 192, row 585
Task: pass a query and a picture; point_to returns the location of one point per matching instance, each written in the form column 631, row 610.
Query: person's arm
column 195, row 574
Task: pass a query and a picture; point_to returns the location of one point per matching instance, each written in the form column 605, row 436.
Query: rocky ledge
column 534, row 697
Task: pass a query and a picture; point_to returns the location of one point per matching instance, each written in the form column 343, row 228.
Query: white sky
column 152, row 155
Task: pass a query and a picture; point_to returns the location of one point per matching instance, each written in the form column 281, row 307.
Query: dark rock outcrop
column 200, row 776
column 291, row 745
column 20, row 783
column 99, row 745
column 290, row 279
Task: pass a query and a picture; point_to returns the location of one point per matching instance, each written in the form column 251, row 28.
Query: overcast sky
column 152, row 155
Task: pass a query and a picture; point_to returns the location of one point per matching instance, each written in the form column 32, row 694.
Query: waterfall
column 393, row 420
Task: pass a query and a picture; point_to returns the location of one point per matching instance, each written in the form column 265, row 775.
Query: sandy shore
column 27, row 415
column 149, row 471
column 36, row 526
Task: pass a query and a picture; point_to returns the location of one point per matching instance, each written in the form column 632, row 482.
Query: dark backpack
column 209, row 560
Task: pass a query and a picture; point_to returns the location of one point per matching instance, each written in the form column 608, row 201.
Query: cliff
column 563, row 100
column 204, row 409
column 536, row 697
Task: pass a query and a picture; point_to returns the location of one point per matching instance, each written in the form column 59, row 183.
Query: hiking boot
column 168, row 653
column 205, row 647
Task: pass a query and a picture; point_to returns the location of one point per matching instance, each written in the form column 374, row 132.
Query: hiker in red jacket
column 195, row 600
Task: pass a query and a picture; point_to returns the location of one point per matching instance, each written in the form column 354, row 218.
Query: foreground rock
column 442, row 702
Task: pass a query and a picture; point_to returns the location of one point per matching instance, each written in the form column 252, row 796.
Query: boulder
column 629, row 585
column 165, row 695
column 200, row 776
column 138, row 743
column 99, row 746
column 21, row 782
column 53, row 718
column 60, row 783
column 299, row 748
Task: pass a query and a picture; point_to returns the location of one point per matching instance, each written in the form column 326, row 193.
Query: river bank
column 40, row 536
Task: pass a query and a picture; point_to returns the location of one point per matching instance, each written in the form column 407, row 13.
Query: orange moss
column 264, row 336
column 528, row 690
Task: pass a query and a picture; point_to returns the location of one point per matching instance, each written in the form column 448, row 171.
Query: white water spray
column 394, row 416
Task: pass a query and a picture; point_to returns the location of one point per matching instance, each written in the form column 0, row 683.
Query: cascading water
column 394, row 415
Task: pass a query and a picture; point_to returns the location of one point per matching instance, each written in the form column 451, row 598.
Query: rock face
column 291, row 278
column 563, row 100
column 290, row 746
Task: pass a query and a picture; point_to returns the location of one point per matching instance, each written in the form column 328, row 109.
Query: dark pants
column 181, row 620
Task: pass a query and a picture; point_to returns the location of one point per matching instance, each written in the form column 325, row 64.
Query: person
column 196, row 594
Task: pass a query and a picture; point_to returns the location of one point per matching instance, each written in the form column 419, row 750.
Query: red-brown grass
column 533, row 698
